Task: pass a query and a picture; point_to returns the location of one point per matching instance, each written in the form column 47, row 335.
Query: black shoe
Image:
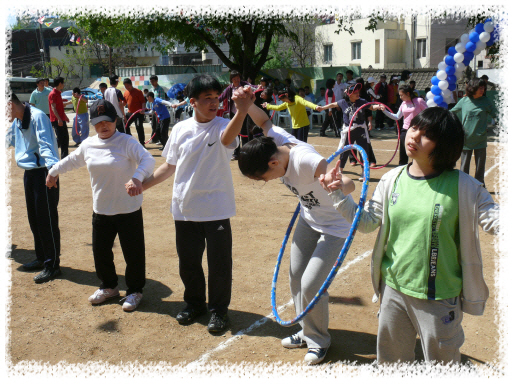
column 189, row 314
column 35, row 265
column 323, row 135
column 47, row 275
column 218, row 323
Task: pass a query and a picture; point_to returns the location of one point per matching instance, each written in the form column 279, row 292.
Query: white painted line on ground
column 490, row 169
column 263, row 320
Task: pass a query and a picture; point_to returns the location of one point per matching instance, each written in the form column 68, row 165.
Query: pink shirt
column 410, row 109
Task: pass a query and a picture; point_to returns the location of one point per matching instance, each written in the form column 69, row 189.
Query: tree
column 279, row 58
column 303, row 48
column 166, row 28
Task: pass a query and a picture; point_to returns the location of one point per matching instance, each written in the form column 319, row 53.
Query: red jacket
column 391, row 92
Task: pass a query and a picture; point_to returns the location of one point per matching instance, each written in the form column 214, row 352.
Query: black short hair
column 202, row 83
column 484, row 77
column 288, row 80
column 254, row 156
column 407, row 89
column 473, row 85
column 350, row 72
column 103, row 85
column 127, row 81
column 57, row 81
column 76, row 90
column 153, row 77
column 14, row 99
column 330, row 83
column 339, row 73
column 39, row 79
column 234, row 74
column 286, row 90
column 445, row 129
column 306, row 86
column 151, row 94
column 301, row 89
column 322, row 88
column 46, row 78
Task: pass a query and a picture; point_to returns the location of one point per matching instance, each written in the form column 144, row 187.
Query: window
column 328, row 53
column 31, row 46
column 449, row 43
column 421, row 48
column 356, row 51
column 480, row 63
column 377, row 51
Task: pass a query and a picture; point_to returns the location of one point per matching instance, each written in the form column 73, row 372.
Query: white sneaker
column 293, row 341
column 315, row 355
column 131, row 302
column 101, row 295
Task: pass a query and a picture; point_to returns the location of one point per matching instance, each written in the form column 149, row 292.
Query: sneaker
column 293, row 341
column 189, row 314
column 35, row 265
column 328, row 130
column 47, row 275
column 353, row 163
column 218, row 322
column 102, row 295
column 131, row 302
column 361, row 178
column 315, row 355
column 373, row 164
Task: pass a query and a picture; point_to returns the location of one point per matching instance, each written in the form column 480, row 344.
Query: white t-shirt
column 339, row 90
column 203, row 185
column 315, row 204
column 111, row 163
column 111, row 95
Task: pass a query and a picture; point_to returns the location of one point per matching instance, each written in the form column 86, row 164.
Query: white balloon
column 443, row 84
column 459, row 67
column 489, row 27
column 476, row 52
column 485, row 37
column 460, row 47
column 431, row 103
column 446, row 93
column 480, row 45
column 430, row 95
column 442, row 65
column 464, row 39
column 458, row 57
column 441, row 75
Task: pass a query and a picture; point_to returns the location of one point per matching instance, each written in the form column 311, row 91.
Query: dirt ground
column 54, row 322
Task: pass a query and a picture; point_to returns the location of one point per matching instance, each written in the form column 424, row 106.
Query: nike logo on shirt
column 211, row 144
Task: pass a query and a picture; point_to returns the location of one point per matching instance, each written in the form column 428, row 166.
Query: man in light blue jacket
column 35, row 145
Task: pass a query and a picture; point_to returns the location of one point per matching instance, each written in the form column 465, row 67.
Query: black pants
column 130, row 228
column 329, row 122
column 465, row 161
column 301, row 133
column 404, row 159
column 43, row 216
column 357, row 136
column 62, row 137
column 163, row 130
column 155, row 129
column 245, row 134
column 120, row 124
column 379, row 119
column 139, row 121
column 190, row 244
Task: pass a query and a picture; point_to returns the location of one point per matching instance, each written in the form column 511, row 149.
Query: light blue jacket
column 33, row 139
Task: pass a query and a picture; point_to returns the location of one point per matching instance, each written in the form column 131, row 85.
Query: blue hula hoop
column 344, row 250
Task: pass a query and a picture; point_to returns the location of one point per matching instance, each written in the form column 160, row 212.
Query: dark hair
column 46, row 78
column 202, row 83
column 405, row 75
column 127, row 81
column 103, row 85
column 275, row 80
column 234, row 74
column 14, row 99
column 330, row 83
column 154, row 77
column 306, row 86
column 339, row 73
column 322, row 88
column 407, row 89
column 254, row 156
column 473, row 86
column 427, row 90
column 350, row 72
column 288, row 80
column 301, row 89
column 286, row 90
column 412, row 82
column 265, row 80
column 76, row 90
column 151, row 94
column 445, row 129
column 484, row 77
column 39, row 79
column 57, row 81
column 145, row 89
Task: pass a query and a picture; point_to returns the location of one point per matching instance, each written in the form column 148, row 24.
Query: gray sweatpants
column 465, row 161
column 312, row 256
column 437, row 322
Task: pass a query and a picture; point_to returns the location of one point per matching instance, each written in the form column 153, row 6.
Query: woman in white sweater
column 117, row 164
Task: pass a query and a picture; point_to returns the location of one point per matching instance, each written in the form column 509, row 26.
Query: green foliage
column 278, row 58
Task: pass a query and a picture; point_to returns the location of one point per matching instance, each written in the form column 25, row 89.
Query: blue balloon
column 488, row 19
column 438, row 99
column 434, row 80
column 443, row 105
column 452, row 51
column 474, row 37
column 450, row 60
column 436, row 90
column 470, row 46
column 466, row 62
column 479, row 28
column 451, row 79
column 450, row 70
column 452, row 86
column 468, row 55
column 491, row 41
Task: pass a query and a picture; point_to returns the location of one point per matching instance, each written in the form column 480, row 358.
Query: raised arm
column 162, row 173
column 242, row 104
